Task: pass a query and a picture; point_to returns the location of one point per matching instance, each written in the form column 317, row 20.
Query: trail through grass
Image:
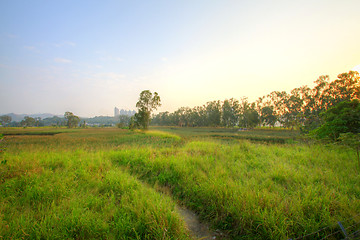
column 111, row 184
column 52, row 190
column 251, row 190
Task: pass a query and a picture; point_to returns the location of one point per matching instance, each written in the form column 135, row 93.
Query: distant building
column 116, row 112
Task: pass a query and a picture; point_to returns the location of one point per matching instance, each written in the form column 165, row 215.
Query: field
column 109, row 183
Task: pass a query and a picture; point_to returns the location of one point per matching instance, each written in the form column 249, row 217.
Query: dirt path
column 198, row 229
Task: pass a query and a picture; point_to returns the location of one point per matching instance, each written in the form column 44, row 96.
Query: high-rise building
column 116, row 112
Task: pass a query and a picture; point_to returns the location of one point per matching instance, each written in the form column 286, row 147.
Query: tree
column 251, row 118
column 327, row 94
column 124, row 121
column 342, row 118
column 213, row 113
column 345, row 88
column 4, row 120
column 226, row 114
column 267, row 116
column 72, row 120
column 28, row 122
column 38, row 121
column 341, row 124
column 146, row 104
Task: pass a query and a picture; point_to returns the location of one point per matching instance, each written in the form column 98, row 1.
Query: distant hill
column 19, row 117
column 48, row 119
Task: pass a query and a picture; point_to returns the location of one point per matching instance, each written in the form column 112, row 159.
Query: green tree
column 4, row 120
column 230, row 113
column 327, row 94
column 251, row 118
column 342, row 118
column 133, row 123
column 213, row 113
column 72, row 120
column 226, row 114
column 38, row 121
column 28, row 122
column 146, row 104
column 267, row 116
column 124, row 120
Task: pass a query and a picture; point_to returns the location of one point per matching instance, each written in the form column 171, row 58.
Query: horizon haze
column 87, row 57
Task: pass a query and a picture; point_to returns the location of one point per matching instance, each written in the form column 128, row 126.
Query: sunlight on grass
column 111, row 184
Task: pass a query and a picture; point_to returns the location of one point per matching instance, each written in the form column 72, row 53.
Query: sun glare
column 356, row 68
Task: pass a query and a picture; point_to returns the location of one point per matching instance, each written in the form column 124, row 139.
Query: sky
column 89, row 56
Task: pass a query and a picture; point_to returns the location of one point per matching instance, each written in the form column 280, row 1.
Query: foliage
column 102, row 120
column 227, row 114
column 146, row 104
column 267, row 116
column 299, row 109
column 341, row 118
column 28, row 122
column 124, row 121
column 113, row 184
column 213, row 110
column 1, row 140
column 247, row 189
column 230, row 112
column 5, row 120
column 250, row 118
column 72, row 120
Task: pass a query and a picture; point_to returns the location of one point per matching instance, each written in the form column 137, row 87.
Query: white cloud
column 62, row 60
column 356, row 68
column 164, row 59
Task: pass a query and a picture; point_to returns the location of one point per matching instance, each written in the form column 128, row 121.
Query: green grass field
column 118, row 184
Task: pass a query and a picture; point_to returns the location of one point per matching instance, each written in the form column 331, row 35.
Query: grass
column 255, row 191
column 53, row 187
column 264, row 135
column 34, row 131
column 111, row 184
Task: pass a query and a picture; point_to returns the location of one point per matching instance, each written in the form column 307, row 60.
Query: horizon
column 58, row 115
column 84, row 57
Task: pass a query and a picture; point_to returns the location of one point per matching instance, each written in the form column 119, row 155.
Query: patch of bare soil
column 199, row 230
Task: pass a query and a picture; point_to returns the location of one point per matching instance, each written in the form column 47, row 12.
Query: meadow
column 110, row 183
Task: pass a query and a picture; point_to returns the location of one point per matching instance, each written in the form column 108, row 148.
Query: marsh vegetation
column 118, row 184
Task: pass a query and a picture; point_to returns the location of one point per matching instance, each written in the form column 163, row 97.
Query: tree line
column 55, row 121
column 301, row 108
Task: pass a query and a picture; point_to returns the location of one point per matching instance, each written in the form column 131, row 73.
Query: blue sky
column 90, row 56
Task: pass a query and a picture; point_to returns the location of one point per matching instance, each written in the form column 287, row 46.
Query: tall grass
column 265, row 135
column 255, row 191
column 52, row 190
column 105, row 183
